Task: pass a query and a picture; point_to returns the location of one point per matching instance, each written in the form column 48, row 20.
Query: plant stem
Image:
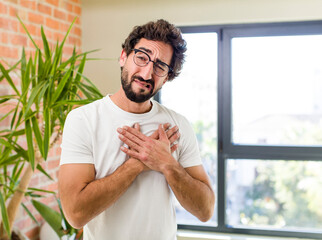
column 17, row 197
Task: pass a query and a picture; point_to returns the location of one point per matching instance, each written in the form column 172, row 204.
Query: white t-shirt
column 145, row 211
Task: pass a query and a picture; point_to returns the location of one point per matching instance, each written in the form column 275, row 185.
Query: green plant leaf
column 61, row 85
column 73, row 102
column 40, row 190
column 9, row 79
column 4, row 215
column 3, row 100
column 6, row 115
column 31, row 152
column 40, row 168
column 46, row 46
column 52, row 217
column 47, row 132
column 30, row 214
column 24, row 27
column 35, row 91
column 37, row 134
column 13, row 120
column 68, row 31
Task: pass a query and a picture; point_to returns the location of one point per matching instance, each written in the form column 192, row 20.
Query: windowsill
column 195, row 235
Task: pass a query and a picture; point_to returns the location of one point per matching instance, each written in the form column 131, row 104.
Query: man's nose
column 147, row 71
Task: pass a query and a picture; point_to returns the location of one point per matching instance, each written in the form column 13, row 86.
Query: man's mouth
column 144, row 84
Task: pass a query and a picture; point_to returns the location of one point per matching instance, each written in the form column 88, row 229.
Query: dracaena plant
column 50, row 85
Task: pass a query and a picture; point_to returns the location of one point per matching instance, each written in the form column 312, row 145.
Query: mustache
column 150, row 81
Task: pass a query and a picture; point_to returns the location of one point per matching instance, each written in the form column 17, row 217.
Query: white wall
column 106, row 23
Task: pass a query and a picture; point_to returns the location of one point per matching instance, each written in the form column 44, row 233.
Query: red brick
column 52, row 187
column 9, row 52
column 60, row 15
column 69, row 7
column 64, row 27
column 12, row 11
column 32, row 29
column 51, row 23
column 73, row 40
column 76, row 1
column 4, row 37
column 33, row 233
column 58, row 36
column 44, row 9
column 53, row 164
column 77, row 31
column 13, row 1
column 35, row 18
column 8, row 24
column 19, row 40
column 72, row 17
column 77, row 10
column 28, row 4
column 34, row 181
column 53, row 2
column 3, row 8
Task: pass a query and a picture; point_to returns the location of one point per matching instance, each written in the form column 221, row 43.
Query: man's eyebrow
column 150, row 52
column 146, row 50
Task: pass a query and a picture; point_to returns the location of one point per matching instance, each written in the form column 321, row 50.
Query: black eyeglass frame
column 154, row 62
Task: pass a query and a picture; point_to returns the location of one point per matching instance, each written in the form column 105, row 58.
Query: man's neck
column 119, row 98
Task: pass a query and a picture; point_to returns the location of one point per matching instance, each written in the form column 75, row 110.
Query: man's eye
column 160, row 66
column 142, row 57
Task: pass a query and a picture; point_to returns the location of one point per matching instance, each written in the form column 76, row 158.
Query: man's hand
column 154, row 151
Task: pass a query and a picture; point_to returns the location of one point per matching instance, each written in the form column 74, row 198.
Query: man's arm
column 191, row 185
column 83, row 197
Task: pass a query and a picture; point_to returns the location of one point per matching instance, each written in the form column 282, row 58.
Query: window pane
column 276, row 90
column 194, row 95
column 274, row 194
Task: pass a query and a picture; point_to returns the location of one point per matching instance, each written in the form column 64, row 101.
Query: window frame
column 226, row 148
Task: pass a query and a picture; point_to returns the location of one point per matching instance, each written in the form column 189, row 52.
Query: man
column 120, row 157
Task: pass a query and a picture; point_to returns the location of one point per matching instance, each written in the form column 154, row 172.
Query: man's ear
column 123, row 58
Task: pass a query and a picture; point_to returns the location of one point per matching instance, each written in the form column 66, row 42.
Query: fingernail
column 120, row 130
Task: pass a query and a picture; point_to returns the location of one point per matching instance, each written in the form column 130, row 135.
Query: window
column 253, row 94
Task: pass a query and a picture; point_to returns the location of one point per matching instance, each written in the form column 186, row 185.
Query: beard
column 141, row 96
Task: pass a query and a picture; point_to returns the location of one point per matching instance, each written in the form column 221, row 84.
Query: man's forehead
column 163, row 50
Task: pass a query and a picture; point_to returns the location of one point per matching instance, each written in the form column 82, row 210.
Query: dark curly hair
column 163, row 31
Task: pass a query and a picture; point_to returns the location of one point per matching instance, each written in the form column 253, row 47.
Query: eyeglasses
column 142, row 59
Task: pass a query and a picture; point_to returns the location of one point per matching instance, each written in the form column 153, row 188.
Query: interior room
column 250, row 88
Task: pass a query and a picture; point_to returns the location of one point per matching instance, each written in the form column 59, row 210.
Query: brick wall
column 55, row 16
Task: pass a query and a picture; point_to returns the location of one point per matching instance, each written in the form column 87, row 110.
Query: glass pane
column 276, row 90
column 194, row 95
column 274, row 194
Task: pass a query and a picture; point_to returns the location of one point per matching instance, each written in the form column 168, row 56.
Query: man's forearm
column 195, row 196
column 98, row 195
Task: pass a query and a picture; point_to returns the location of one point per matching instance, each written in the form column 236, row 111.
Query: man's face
column 141, row 83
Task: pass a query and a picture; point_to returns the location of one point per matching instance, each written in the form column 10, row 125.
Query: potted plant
column 51, row 85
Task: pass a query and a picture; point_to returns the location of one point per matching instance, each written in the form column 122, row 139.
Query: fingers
column 155, row 134
column 174, row 147
column 162, row 133
column 133, row 131
column 130, row 139
column 173, row 134
column 130, row 152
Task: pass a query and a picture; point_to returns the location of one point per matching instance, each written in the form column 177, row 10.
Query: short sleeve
column 189, row 154
column 76, row 141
